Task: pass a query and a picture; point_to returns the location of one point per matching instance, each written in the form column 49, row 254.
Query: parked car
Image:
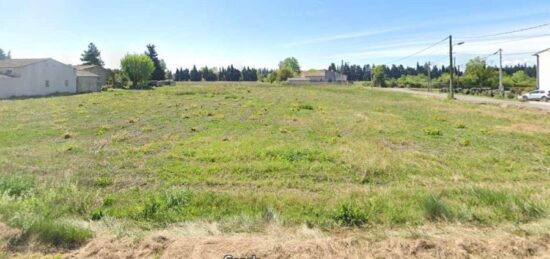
column 537, row 95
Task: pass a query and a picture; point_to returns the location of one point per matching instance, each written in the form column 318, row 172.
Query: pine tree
column 92, row 56
column 158, row 74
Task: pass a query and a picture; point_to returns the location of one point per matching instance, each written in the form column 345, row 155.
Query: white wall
column 32, row 80
column 544, row 71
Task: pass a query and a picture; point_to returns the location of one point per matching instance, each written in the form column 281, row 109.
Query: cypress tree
column 158, row 74
column 195, row 75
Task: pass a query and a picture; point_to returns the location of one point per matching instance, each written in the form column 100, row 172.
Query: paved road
column 477, row 99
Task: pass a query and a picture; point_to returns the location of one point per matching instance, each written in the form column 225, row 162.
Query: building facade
column 35, row 77
column 87, row 82
column 319, row 76
column 327, row 76
column 543, row 70
column 103, row 73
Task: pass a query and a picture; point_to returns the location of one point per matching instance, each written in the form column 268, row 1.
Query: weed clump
column 460, row 126
column 433, row 132
column 103, row 181
column 464, row 142
column 350, row 215
column 108, row 201
column 436, row 209
column 300, row 106
column 16, row 185
column 163, row 207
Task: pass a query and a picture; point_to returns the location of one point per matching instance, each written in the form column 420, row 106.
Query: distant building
column 319, row 76
column 543, row 69
column 87, row 82
column 103, row 73
column 35, row 77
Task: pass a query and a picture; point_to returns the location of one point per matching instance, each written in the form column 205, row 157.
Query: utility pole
column 500, row 85
column 451, row 94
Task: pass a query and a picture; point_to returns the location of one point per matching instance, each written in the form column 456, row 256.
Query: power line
column 508, row 32
column 418, row 52
column 519, row 53
column 508, row 39
column 482, row 58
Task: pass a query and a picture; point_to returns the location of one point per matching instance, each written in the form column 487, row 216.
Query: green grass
column 330, row 156
column 54, row 234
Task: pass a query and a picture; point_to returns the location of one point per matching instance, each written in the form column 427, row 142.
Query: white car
column 537, row 95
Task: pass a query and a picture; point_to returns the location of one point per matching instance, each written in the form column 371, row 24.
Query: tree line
column 364, row 72
column 476, row 74
column 229, row 73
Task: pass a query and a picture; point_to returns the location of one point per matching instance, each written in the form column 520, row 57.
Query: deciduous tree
column 292, row 64
column 138, row 68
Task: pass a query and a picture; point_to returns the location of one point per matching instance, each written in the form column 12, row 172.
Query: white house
column 543, row 70
column 35, row 77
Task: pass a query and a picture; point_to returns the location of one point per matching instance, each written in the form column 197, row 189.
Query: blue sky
column 261, row 32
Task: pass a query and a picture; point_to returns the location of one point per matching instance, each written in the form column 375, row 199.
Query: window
column 66, row 83
column 9, row 71
column 47, row 83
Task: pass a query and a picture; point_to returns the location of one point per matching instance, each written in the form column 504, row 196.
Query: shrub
column 138, row 68
column 436, row 209
column 349, row 215
column 16, row 185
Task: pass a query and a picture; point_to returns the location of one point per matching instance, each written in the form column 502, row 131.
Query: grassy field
column 246, row 155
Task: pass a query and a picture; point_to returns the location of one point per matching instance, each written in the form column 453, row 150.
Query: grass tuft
column 433, row 131
column 436, row 209
column 54, row 234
